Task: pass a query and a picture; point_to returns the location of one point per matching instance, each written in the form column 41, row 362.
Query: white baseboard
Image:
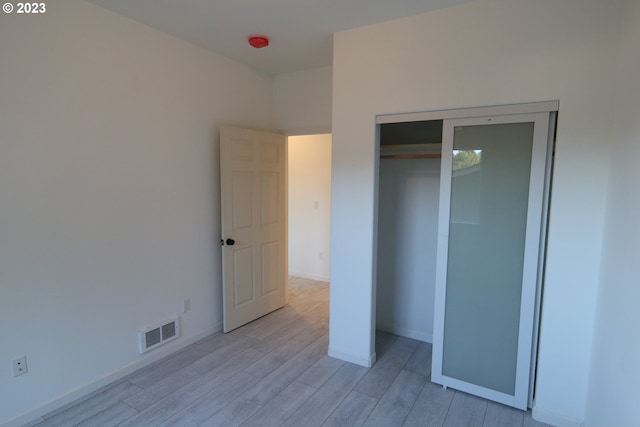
column 83, row 391
column 409, row 333
column 553, row 418
column 308, row 276
column 358, row 360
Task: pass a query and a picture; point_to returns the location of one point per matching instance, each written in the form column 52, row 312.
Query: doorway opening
column 309, row 206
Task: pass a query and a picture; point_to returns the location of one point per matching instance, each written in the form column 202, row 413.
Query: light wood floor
column 275, row 372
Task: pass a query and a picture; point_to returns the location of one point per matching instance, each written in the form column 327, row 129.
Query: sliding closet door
column 492, row 188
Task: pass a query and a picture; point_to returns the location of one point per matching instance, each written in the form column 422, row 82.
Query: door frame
column 549, row 107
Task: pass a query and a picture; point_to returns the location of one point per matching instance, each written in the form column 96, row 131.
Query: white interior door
column 491, row 211
column 253, row 211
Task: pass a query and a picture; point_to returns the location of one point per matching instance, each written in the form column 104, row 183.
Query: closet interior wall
column 408, row 192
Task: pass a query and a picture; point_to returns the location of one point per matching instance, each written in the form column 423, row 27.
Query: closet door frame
column 530, row 276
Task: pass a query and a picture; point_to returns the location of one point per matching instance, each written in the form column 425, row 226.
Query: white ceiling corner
column 301, row 31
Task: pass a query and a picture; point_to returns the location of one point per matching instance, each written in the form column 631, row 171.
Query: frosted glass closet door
column 491, row 205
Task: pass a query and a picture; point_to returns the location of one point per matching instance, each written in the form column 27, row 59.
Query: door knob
column 231, row 242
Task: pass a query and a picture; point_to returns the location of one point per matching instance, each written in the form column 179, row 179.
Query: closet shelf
column 411, row 151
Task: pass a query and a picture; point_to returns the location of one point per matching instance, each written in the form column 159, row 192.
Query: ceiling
column 301, row 31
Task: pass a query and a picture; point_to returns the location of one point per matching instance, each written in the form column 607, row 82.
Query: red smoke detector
column 258, row 41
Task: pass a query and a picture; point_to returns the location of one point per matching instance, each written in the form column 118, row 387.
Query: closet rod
column 411, row 156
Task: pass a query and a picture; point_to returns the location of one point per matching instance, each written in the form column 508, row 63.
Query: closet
column 409, row 185
column 462, row 216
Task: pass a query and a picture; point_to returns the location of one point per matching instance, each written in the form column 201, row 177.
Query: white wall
column 615, row 372
column 309, row 206
column 302, row 101
column 407, row 233
column 488, row 52
column 109, row 193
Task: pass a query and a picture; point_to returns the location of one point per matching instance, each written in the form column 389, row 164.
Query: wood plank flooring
column 275, row 372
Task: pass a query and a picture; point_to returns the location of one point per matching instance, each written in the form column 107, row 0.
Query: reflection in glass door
column 492, row 185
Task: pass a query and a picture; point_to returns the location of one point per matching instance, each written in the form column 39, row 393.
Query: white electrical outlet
column 20, row 366
column 187, row 305
column 321, row 256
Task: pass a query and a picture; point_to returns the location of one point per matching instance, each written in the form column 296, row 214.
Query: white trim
column 373, row 319
column 530, row 269
column 464, row 113
column 308, row 276
column 555, row 419
column 352, row 358
column 485, row 393
column 542, row 255
column 83, row 391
